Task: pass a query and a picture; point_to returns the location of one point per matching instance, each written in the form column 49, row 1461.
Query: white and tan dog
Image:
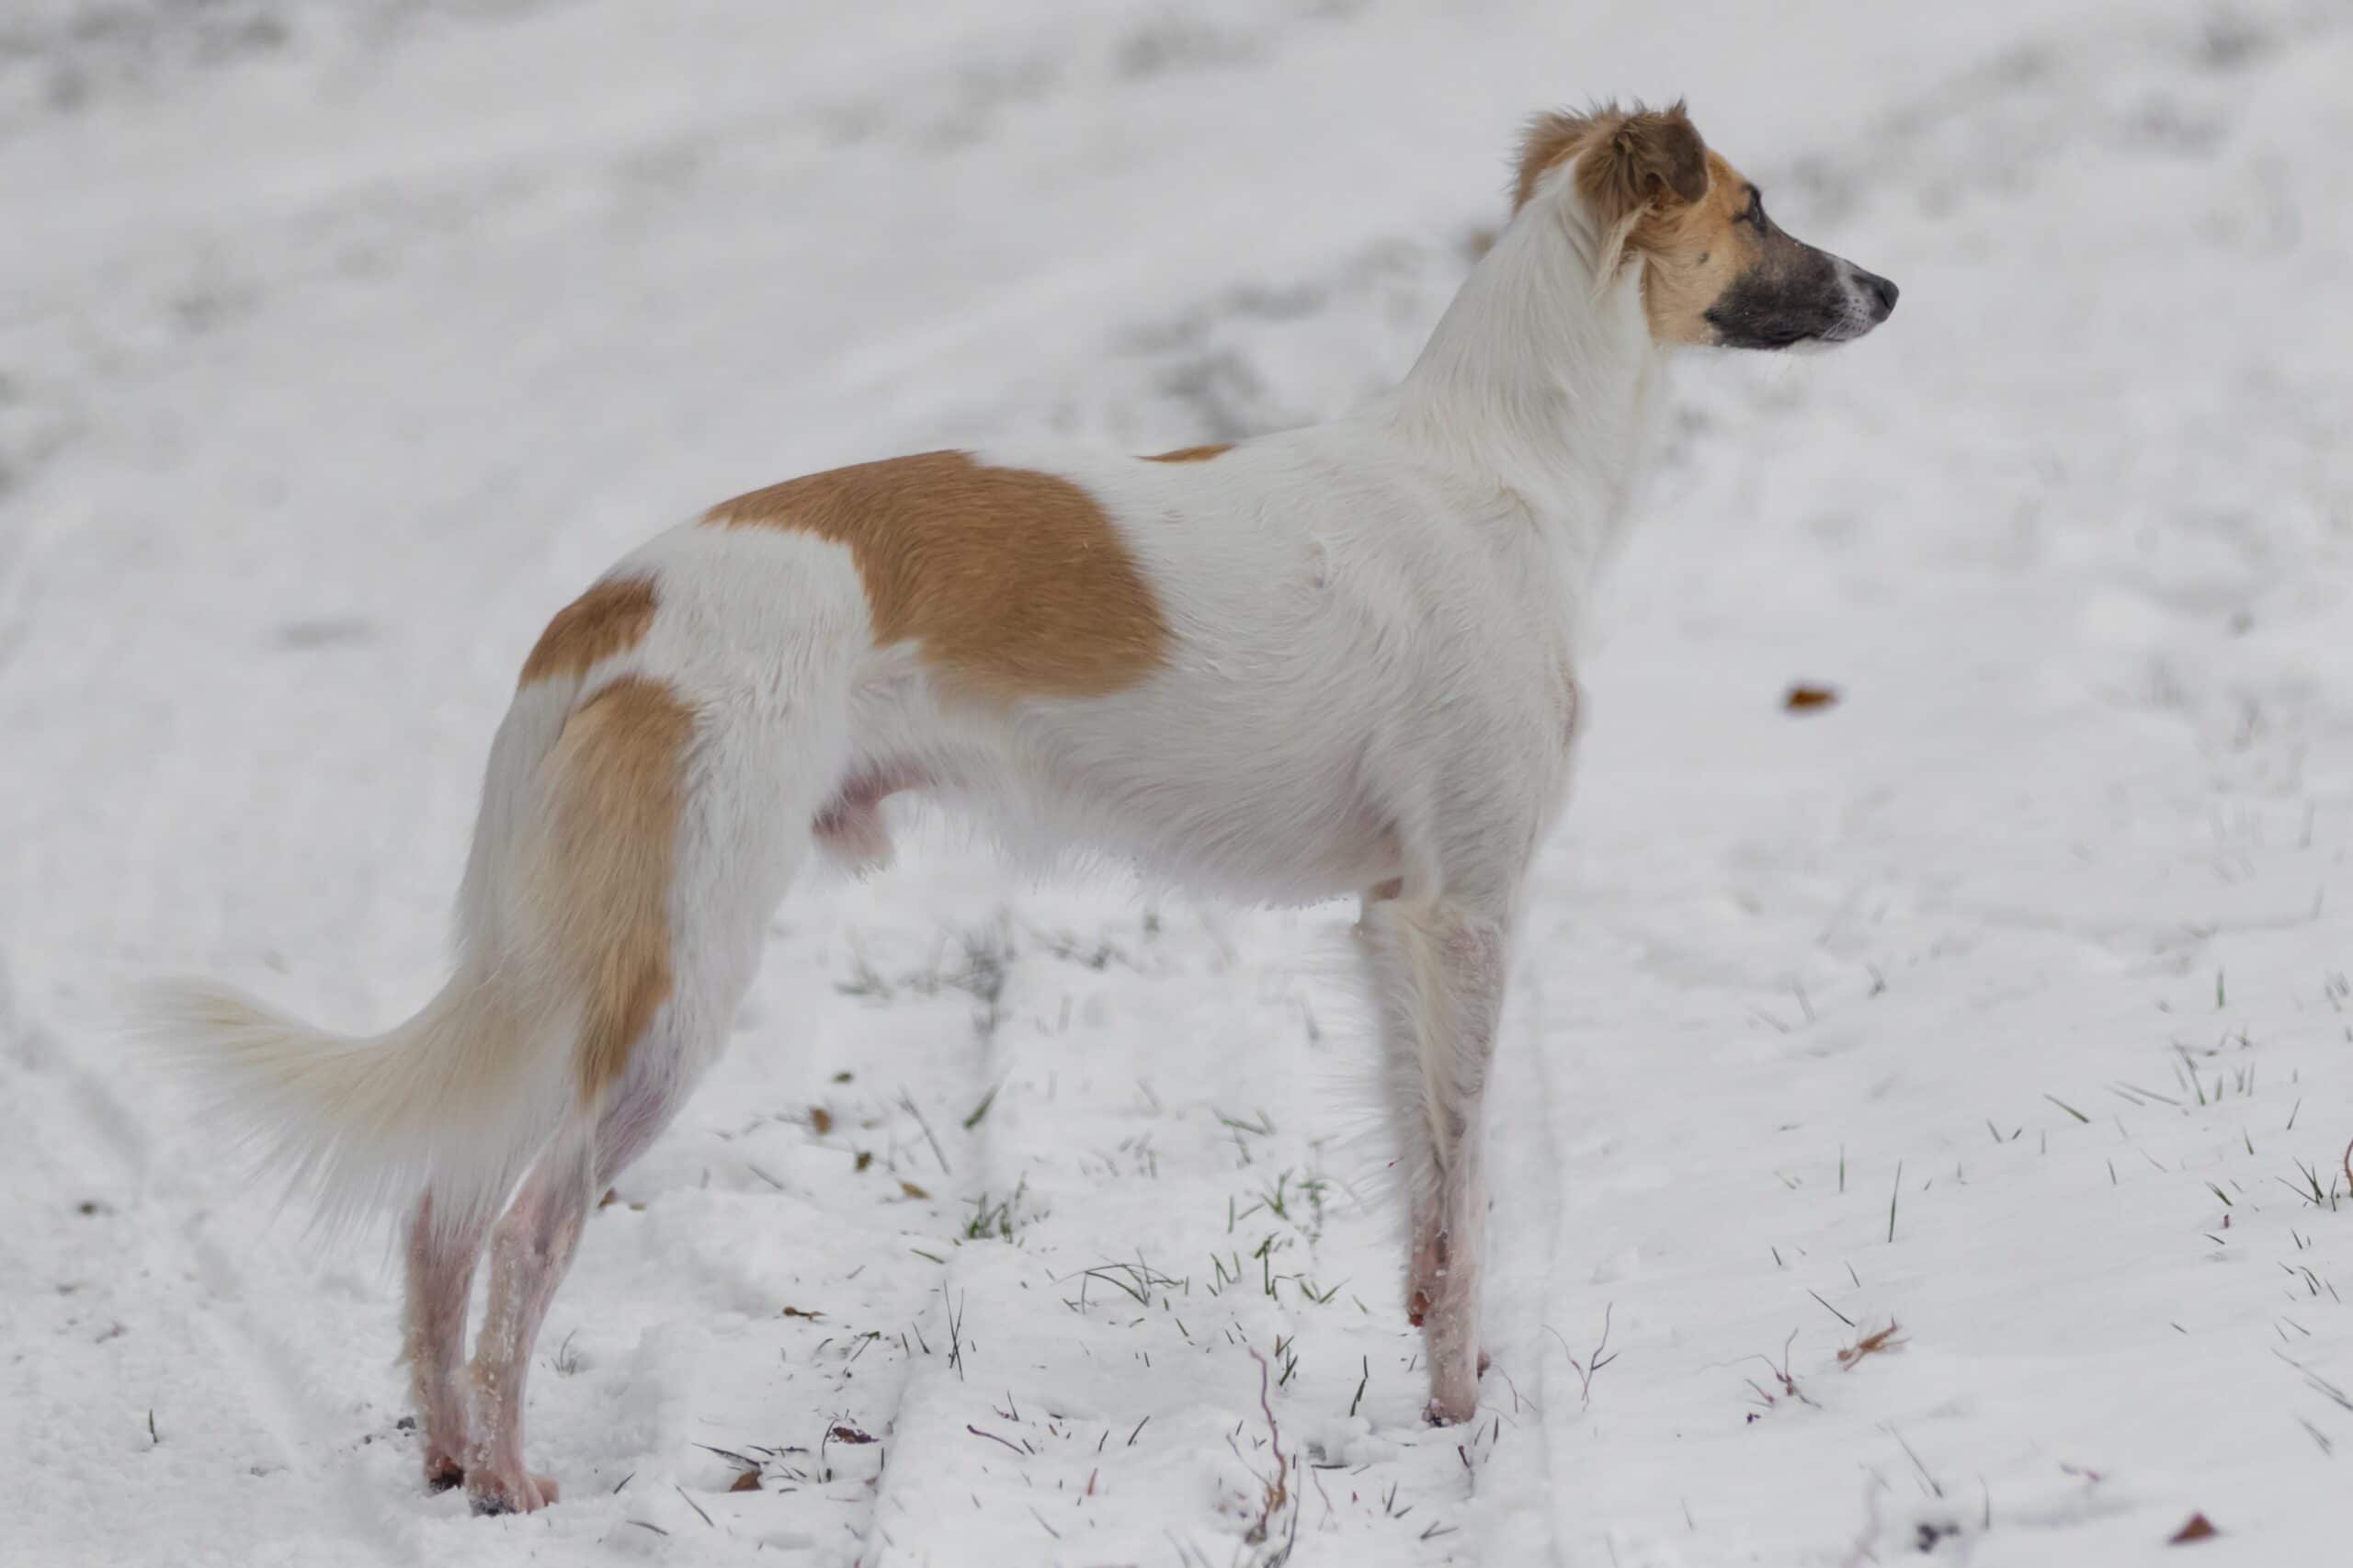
column 1334, row 661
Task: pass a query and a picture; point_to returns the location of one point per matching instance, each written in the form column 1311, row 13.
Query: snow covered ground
column 2006, row 1000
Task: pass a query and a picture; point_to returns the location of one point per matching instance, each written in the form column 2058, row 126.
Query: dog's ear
column 1651, row 158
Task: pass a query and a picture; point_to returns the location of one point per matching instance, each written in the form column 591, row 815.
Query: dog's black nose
column 1883, row 291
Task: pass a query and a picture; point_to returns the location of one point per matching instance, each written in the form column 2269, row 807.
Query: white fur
column 1374, row 624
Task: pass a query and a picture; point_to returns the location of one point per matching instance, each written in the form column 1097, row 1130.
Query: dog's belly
column 1256, row 846
column 1229, row 812
column 1236, row 832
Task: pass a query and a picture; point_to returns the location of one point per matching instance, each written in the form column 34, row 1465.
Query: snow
column 2004, row 999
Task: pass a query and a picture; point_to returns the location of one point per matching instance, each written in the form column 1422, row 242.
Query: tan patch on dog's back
column 609, row 619
column 1013, row 583
column 1192, row 454
column 616, row 785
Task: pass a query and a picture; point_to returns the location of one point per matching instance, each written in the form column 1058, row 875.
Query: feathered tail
column 458, row 1099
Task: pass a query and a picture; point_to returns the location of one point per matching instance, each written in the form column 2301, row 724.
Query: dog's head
column 1717, row 270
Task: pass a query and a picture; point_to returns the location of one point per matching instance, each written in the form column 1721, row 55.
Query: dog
column 1334, row 661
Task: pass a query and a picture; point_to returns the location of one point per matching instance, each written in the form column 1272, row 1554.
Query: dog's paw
column 1451, row 1411
column 489, row 1493
column 1454, row 1387
column 441, row 1474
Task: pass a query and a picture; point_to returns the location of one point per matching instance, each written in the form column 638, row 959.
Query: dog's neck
column 1545, row 382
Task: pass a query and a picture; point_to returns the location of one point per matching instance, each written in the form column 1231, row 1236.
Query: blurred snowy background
column 2004, row 999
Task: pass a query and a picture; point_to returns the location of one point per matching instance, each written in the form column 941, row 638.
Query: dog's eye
column 1755, row 212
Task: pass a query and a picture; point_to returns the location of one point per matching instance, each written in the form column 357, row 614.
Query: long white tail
column 456, row 1099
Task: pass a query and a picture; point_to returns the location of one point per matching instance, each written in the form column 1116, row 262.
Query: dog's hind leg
column 441, row 1284
column 742, row 830
column 530, row 1251
column 1438, row 979
column 533, row 1244
column 528, row 1254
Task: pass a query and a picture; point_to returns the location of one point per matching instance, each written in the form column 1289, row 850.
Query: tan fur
column 1646, row 154
column 1662, row 195
column 1192, row 454
column 609, row 619
column 1693, row 252
column 1647, row 158
column 1014, row 583
column 616, row 780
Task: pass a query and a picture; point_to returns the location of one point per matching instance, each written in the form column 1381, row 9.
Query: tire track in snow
column 265, row 1360
column 984, row 956
column 1149, row 1201
column 262, row 1368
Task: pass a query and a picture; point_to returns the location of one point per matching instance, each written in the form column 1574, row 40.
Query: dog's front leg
column 1438, row 974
